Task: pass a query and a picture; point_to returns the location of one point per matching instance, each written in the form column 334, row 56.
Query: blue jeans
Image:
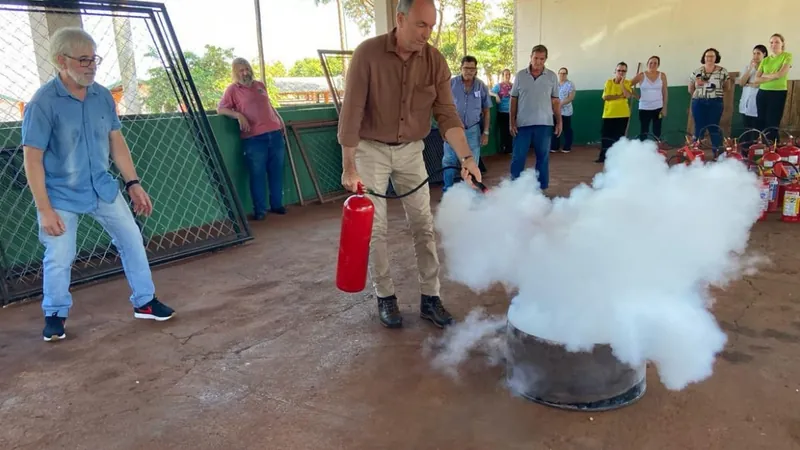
column 59, row 254
column 539, row 136
column 264, row 156
column 707, row 112
column 450, row 157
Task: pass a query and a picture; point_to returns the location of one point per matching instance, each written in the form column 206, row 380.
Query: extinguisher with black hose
column 789, row 191
column 358, row 214
column 791, row 202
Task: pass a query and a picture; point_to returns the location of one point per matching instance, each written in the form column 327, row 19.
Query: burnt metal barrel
column 545, row 372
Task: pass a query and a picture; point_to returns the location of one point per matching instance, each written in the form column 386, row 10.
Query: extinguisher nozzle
column 480, row 185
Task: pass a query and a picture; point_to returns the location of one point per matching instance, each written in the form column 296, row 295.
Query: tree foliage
column 211, row 73
column 312, row 67
column 489, row 39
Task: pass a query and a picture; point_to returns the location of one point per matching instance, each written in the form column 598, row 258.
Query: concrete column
column 131, row 102
column 385, row 11
column 43, row 25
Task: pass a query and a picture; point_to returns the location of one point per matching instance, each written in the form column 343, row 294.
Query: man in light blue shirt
column 69, row 129
column 472, row 103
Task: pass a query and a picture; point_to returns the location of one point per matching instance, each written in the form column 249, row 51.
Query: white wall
column 591, row 36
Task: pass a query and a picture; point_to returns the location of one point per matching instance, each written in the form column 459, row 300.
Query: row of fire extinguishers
column 776, row 165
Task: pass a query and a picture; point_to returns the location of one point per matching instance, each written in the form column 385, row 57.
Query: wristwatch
column 486, row 132
column 131, row 183
column 465, row 158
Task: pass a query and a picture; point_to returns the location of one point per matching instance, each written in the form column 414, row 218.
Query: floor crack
column 270, row 339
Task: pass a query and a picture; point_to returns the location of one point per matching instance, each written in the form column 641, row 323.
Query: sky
column 291, row 30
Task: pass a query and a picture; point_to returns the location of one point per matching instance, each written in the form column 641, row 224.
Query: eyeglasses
column 86, row 62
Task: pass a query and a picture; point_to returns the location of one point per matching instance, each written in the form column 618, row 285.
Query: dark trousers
column 707, row 112
column 566, row 133
column 646, row 117
column 264, row 156
column 749, row 122
column 612, row 131
column 506, row 144
column 770, row 111
column 749, row 137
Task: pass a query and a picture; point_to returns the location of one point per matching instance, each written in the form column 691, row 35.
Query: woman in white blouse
column 747, row 104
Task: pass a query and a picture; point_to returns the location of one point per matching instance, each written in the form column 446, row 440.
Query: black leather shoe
column 431, row 309
column 389, row 312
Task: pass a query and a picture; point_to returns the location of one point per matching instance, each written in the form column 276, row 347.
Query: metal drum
column 545, row 372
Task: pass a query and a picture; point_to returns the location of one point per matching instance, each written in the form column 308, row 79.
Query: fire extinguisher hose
column 477, row 183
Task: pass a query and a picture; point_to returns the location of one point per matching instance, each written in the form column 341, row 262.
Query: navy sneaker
column 154, row 310
column 54, row 328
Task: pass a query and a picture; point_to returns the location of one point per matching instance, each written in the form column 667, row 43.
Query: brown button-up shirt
column 390, row 100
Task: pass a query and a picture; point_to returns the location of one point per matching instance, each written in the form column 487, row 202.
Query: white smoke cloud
column 627, row 261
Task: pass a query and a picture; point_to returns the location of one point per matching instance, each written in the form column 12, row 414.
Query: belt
column 393, row 144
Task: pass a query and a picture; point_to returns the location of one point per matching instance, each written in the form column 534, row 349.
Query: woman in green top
column 772, row 79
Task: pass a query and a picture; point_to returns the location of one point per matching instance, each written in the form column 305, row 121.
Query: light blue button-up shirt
column 470, row 104
column 74, row 136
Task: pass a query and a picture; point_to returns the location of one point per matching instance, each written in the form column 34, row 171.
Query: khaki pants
column 376, row 163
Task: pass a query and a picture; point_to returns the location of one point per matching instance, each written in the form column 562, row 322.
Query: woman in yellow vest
column 772, row 79
column 616, row 111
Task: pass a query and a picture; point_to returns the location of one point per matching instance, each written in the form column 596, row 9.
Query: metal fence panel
column 195, row 206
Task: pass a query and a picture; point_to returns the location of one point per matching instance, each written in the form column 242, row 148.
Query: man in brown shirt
column 394, row 83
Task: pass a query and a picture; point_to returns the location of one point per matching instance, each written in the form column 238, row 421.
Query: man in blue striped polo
column 472, row 103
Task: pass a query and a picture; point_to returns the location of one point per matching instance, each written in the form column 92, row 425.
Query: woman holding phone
column 707, row 88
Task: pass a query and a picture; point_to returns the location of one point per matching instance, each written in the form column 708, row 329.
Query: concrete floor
column 266, row 354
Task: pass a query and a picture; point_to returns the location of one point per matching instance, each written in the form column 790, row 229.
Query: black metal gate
column 195, row 206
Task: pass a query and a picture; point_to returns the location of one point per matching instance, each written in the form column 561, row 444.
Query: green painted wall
column 588, row 113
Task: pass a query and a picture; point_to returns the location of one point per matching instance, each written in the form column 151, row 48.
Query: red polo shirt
column 253, row 103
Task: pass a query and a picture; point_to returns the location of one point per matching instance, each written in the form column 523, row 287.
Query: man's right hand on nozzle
column 351, row 180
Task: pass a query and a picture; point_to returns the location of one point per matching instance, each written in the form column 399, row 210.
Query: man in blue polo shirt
column 534, row 104
column 69, row 129
column 472, row 103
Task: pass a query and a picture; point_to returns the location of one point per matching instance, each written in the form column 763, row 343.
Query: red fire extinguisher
column 768, row 161
column 791, row 202
column 764, row 195
column 756, row 151
column 358, row 214
column 688, row 153
column 790, row 152
column 788, row 190
column 731, row 151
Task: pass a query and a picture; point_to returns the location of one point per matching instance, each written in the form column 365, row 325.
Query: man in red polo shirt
column 260, row 128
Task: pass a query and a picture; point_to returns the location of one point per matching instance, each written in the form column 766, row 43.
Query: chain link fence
column 173, row 147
